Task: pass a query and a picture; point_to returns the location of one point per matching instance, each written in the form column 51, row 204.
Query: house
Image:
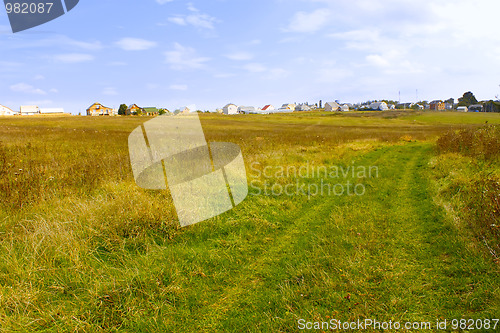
column 230, row 109
column 135, row 110
column 97, row 109
column 476, row 108
column 52, row 111
column 29, row 110
column 437, row 105
column 185, row 110
column 462, row 109
column 345, row 107
column 246, row 109
column 332, row 106
column 268, row 108
column 290, row 106
column 302, row 107
column 151, row 111
column 404, row 106
column 5, row 111
column 379, row 106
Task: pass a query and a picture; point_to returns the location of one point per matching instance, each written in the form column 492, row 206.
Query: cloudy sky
column 172, row 53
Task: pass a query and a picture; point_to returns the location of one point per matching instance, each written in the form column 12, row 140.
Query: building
column 476, row 108
column 52, row 111
column 97, row 109
column 302, row 107
column 332, row 106
column 230, row 109
column 151, row 111
column 290, row 106
column 379, row 106
column 246, row 109
column 462, row 109
column 268, row 108
column 345, row 107
column 437, row 105
column 185, row 110
column 135, row 110
column 29, row 110
column 5, row 111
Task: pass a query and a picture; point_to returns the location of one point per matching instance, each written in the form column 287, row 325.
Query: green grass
column 83, row 249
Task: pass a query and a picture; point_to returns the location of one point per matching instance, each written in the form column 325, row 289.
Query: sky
column 205, row 54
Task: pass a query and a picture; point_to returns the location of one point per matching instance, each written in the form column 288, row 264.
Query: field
column 83, row 249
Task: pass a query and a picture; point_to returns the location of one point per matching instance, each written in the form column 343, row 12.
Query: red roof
column 266, row 107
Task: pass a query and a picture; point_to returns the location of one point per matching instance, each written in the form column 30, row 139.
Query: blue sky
column 208, row 53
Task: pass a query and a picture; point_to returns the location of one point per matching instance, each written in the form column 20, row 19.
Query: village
column 98, row 109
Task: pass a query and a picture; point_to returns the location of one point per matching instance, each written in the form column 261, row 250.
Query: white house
column 268, row 108
column 5, row 111
column 462, row 109
column 290, row 106
column 230, row 109
column 380, row 106
column 302, row 107
column 246, row 109
column 52, row 111
column 29, row 110
column 331, row 106
column 345, row 107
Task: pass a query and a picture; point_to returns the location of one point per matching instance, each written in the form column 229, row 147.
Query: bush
column 482, row 143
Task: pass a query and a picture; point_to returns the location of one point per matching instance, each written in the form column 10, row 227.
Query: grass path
column 389, row 255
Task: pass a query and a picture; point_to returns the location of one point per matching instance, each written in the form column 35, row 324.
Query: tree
column 467, row 100
column 122, row 111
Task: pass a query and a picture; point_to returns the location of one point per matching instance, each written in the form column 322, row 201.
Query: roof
column 151, row 110
column 266, row 107
column 4, row 107
column 98, row 104
column 228, row 105
column 334, row 104
column 52, row 110
column 436, row 101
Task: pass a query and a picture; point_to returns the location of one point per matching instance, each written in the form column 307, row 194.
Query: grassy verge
column 467, row 173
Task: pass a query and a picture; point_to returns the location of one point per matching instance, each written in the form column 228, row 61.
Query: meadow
column 83, row 249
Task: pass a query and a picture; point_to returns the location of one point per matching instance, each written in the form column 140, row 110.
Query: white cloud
column 184, row 58
column 73, row 58
column 195, row 18
column 27, row 89
column 309, row 22
column 177, row 20
column 255, row 68
column 161, row 2
column 180, row 87
column 240, row 56
column 135, row 44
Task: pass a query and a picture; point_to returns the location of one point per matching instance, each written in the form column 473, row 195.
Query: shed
column 332, row 106
column 230, row 109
